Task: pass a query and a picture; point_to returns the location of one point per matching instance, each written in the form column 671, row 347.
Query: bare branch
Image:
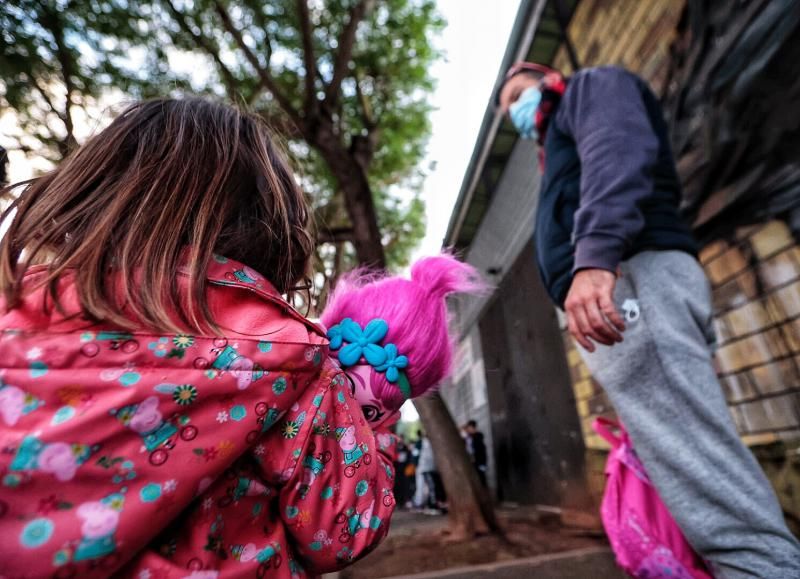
column 264, row 76
column 258, row 14
column 46, row 98
column 279, row 123
column 254, row 96
column 346, row 41
column 335, row 235
column 66, row 71
column 308, row 55
column 337, row 264
column 208, row 46
column 366, row 111
column 320, row 78
column 66, row 63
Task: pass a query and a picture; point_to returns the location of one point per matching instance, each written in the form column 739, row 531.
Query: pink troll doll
column 391, row 334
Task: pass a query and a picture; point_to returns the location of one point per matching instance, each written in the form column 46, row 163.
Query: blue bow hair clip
column 393, row 364
column 354, row 344
column 363, row 343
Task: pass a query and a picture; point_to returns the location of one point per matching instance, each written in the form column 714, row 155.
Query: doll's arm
column 337, row 502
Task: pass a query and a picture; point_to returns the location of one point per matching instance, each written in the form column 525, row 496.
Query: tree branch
column 337, row 263
column 346, row 41
column 264, row 76
column 66, row 63
column 335, row 235
column 258, row 15
column 46, row 98
column 308, row 55
column 366, row 111
column 208, row 47
column 279, row 123
column 66, row 70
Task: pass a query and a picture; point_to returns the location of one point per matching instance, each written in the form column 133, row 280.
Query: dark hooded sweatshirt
column 610, row 188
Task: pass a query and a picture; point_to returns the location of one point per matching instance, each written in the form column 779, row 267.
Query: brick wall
column 635, row 34
column 756, row 287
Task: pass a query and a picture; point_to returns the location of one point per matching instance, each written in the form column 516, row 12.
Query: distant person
column 423, row 463
column 430, row 493
column 402, row 482
column 411, row 477
column 615, row 253
column 476, row 448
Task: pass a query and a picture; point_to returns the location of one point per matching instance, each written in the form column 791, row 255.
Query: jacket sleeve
column 337, row 500
column 604, row 112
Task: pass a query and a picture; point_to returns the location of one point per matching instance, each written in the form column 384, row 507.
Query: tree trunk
column 471, row 510
column 3, row 167
column 470, row 506
column 352, row 179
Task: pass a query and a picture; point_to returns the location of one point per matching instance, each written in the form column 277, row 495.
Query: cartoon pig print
column 147, row 417
column 256, row 489
column 287, row 473
column 12, row 403
column 362, row 520
column 248, row 553
column 348, row 440
column 59, row 460
column 99, row 520
column 366, row 516
column 385, row 440
column 309, row 476
column 242, row 369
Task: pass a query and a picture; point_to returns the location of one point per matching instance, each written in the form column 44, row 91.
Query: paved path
column 595, row 563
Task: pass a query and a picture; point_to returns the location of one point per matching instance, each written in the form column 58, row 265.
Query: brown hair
column 166, row 175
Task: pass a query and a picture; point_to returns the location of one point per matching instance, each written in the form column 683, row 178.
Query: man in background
column 611, row 244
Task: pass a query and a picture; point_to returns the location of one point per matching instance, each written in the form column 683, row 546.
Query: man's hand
column 590, row 309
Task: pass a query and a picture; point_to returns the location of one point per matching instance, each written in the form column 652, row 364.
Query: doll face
column 374, row 410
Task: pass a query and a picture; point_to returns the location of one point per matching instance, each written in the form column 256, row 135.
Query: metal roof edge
column 522, row 33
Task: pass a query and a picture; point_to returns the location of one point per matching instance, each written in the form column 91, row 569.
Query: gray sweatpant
column 662, row 383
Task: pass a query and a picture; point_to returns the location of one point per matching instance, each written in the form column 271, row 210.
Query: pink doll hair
column 416, row 313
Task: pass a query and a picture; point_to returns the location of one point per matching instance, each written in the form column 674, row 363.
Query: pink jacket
column 156, row 456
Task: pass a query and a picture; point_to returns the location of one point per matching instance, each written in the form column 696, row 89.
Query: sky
column 474, row 42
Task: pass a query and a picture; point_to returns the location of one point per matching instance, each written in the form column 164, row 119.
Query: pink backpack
column 645, row 538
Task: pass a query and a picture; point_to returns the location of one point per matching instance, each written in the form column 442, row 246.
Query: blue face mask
column 523, row 112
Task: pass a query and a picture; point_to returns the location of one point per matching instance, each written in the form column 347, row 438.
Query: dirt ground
column 418, row 543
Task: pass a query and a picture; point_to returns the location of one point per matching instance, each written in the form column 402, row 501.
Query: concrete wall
column 531, row 426
column 506, row 228
column 539, row 451
column 466, row 395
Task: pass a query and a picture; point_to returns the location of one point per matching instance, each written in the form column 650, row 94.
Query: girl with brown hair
column 164, row 412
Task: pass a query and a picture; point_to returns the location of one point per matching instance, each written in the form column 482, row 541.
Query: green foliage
column 81, row 49
column 52, row 63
